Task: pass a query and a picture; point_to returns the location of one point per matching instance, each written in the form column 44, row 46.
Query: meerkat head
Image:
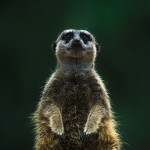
column 76, row 47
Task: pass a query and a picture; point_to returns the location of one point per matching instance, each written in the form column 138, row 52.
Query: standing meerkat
column 74, row 112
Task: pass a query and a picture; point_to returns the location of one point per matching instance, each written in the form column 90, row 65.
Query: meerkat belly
column 75, row 108
column 75, row 97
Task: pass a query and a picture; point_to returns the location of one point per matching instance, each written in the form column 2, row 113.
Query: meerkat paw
column 57, row 127
column 55, row 119
column 93, row 120
column 58, row 130
column 90, row 128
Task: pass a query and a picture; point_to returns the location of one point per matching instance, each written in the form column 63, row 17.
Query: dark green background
column 27, row 30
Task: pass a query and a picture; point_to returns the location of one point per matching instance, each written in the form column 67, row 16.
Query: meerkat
column 74, row 112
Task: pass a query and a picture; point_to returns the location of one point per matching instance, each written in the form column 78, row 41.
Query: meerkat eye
column 67, row 37
column 85, row 37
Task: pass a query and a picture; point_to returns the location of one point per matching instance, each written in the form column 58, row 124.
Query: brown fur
column 74, row 112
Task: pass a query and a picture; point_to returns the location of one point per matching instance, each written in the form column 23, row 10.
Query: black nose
column 76, row 44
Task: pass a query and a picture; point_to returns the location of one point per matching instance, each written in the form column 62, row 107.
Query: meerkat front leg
column 55, row 119
column 93, row 120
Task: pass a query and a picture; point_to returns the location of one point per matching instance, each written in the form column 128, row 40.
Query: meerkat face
column 75, row 44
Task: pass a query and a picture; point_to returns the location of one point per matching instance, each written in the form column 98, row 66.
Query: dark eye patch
column 67, row 36
column 85, row 37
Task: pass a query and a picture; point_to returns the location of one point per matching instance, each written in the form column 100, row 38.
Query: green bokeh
column 27, row 30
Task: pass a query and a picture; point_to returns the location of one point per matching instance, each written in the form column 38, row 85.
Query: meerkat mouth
column 76, row 53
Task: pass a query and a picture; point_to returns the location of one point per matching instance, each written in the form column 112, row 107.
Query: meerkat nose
column 76, row 43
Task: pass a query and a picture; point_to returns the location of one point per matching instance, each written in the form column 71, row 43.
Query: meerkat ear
column 54, row 46
column 97, row 47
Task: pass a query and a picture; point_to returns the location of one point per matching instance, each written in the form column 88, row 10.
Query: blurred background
column 27, row 30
